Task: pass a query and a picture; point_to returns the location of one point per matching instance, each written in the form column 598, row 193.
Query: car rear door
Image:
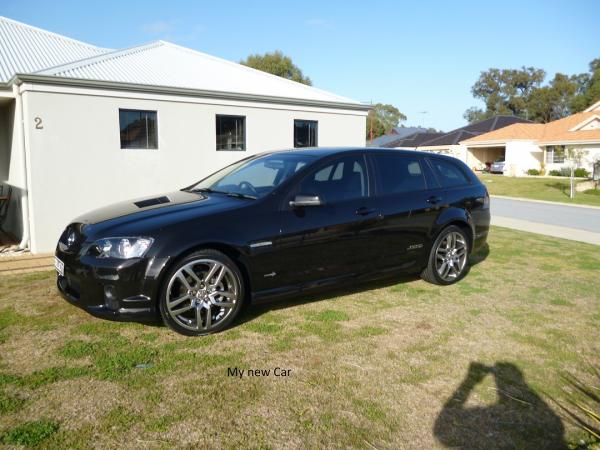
column 408, row 199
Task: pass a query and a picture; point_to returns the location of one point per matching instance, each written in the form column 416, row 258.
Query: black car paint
column 281, row 250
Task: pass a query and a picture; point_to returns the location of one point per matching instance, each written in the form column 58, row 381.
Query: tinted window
column 138, row 129
column 257, row 176
column 343, row 179
column 231, row 132
column 397, row 174
column 305, row 133
column 449, row 174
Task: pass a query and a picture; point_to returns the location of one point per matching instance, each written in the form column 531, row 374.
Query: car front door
column 324, row 244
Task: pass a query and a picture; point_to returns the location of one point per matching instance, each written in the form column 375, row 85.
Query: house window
column 231, row 132
column 138, row 129
column 555, row 154
column 305, row 133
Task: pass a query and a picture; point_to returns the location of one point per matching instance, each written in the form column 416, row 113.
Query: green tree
column 590, row 88
column 505, row 91
column 278, row 64
column 520, row 92
column 382, row 118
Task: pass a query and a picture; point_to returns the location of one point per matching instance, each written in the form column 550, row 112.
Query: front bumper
column 109, row 288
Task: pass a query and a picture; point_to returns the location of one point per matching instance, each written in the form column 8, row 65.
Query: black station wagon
column 272, row 225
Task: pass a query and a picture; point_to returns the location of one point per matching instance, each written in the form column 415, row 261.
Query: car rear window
column 397, row 174
column 449, row 174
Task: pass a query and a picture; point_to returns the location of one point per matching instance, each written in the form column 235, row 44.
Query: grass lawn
column 402, row 364
column 549, row 189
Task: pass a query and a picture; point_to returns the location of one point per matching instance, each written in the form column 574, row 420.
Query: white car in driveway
column 498, row 166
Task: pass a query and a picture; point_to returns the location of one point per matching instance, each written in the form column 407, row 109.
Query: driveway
column 564, row 221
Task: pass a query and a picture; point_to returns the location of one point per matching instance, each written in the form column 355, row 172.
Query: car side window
column 397, row 174
column 448, row 173
column 342, row 179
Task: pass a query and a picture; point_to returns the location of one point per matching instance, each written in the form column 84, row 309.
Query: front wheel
column 448, row 257
column 202, row 293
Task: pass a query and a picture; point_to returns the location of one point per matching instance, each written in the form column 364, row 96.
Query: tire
column 202, row 293
column 456, row 263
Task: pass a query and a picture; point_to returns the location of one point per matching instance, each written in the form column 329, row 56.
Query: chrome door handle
column 364, row 211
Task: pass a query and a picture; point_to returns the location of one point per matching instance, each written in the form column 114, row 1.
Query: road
column 564, row 221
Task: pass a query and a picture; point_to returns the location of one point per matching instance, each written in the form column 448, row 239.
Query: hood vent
column 152, row 202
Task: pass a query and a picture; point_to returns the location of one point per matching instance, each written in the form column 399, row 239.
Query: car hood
column 157, row 211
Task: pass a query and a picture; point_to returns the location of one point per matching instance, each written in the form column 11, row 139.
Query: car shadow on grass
column 251, row 312
column 519, row 418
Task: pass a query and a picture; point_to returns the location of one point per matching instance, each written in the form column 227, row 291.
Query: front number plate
column 60, row 266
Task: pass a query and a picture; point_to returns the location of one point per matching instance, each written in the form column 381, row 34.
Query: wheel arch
column 228, row 250
column 459, row 218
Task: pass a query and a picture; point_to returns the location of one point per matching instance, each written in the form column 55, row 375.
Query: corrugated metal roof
column 29, row 50
column 26, row 49
column 162, row 63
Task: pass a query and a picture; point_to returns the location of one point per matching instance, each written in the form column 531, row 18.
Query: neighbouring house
column 541, row 146
column 450, row 143
column 83, row 126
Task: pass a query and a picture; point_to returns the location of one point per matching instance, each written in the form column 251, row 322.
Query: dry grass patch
column 383, row 365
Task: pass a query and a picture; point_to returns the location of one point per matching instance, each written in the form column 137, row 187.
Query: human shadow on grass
column 252, row 312
column 518, row 419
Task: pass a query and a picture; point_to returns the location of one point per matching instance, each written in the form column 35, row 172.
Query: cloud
column 318, row 22
column 158, row 27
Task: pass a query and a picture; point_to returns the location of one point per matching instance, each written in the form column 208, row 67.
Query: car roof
column 328, row 151
column 322, row 152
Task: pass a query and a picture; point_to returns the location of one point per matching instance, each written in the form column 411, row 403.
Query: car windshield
column 254, row 178
column 501, row 159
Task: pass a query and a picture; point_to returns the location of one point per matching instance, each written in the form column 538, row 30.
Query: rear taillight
column 486, row 200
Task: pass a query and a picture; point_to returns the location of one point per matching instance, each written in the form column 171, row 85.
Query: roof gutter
column 188, row 92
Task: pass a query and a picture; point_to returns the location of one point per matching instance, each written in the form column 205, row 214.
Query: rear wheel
column 448, row 258
column 202, row 294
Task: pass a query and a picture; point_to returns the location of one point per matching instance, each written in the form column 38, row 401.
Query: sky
column 421, row 56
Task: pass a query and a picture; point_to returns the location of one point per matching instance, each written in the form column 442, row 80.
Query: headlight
column 122, row 247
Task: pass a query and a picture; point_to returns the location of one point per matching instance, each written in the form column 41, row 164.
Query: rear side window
column 397, row 174
column 448, row 173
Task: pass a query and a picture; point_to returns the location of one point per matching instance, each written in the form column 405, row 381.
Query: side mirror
column 302, row 200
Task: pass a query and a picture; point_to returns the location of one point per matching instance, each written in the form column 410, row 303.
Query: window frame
column 155, row 111
column 316, row 122
column 230, row 116
column 431, row 162
column 377, row 179
column 551, row 149
column 312, row 169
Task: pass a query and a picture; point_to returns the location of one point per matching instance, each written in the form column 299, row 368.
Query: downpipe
column 24, row 244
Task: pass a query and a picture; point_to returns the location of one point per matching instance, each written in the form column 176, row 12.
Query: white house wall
column 77, row 165
column 591, row 153
column 521, row 156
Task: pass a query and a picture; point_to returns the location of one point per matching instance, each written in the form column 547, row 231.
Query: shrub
column 554, row 173
column 581, row 173
column 533, row 172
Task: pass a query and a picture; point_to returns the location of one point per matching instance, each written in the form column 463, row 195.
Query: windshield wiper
column 230, row 194
column 238, row 195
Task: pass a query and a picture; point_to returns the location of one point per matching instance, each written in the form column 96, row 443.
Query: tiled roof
column 562, row 130
column 412, row 141
column 397, row 133
column 460, row 134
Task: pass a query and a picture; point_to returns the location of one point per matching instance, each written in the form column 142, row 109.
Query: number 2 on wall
column 38, row 123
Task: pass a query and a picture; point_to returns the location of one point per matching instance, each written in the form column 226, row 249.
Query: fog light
column 110, row 298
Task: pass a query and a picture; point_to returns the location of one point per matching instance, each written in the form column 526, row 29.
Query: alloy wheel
column 451, row 256
column 202, row 294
